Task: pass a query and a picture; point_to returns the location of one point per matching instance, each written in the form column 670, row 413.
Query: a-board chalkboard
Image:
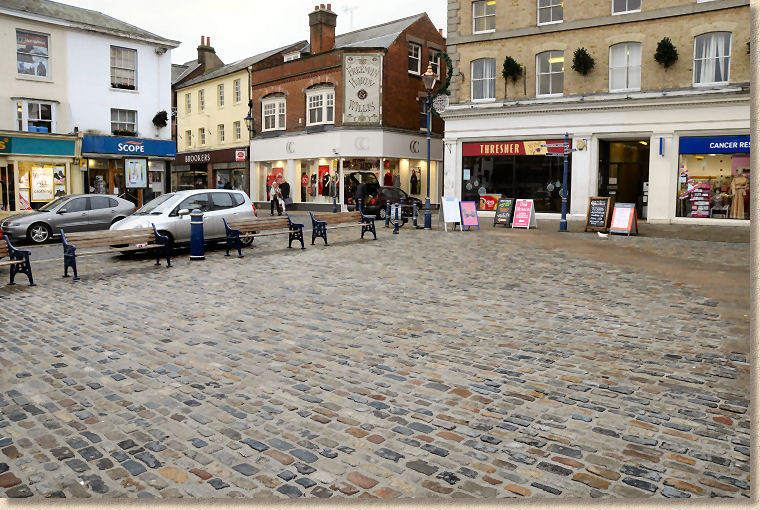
column 598, row 214
column 504, row 211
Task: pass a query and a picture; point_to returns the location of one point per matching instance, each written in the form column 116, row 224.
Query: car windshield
column 158, row 205
column 52, row 205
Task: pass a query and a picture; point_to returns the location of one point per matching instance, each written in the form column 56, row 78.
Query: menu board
column 525, row 214
column 469, row 212
column 504, row 211
column 624, row 219
column 598, row 214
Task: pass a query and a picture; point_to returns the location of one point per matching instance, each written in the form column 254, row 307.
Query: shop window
column 188, row 103
column 220, row 94
column 236, row 129
column 550, row 11
column 714, row 185
column 123, row 122
column 625, row 66
column 415, row 52
column 435, row 63
column 625, row 6
column 202, row 136
column 123, row 68
column 712, row 58
column 236, row 86
column 273, row 114
column 483, row 16
column 483, row 79
column 35, row 116
column 220, row 132
column 550, row 73
column 320, row 106
column 32, row 58
column 201, row 100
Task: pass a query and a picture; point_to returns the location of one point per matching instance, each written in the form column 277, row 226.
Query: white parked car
column 171, row 213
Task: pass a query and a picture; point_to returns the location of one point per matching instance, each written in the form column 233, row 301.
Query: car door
column 181, row 225
column 73, row 216
column 101, row 212
column 221, row 207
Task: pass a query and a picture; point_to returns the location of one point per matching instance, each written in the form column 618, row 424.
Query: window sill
column 625, row 12
column 130, row 91
column 34, row 78
column 486, row 100
column 414, row 73
column 490, row 31
column 538, row 24
column 543, row 96
column 711, row 84
column 615, row 91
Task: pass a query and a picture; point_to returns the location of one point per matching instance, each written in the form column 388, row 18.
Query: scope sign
column 131, row 147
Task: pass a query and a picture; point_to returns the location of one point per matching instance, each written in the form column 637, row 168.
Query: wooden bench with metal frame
column 121, row 241
column 19, row 260
column 242, row 232
column 322, row 222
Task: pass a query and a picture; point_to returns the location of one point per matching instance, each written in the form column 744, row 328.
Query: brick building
column 674, row 139
column 347, row 103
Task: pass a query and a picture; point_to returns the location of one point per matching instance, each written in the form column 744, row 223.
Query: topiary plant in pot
column 512, row 71
column 666, row 54
column 583, row 62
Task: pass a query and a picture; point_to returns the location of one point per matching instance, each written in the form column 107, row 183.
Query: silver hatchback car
column 170, row 213
column 72, row 213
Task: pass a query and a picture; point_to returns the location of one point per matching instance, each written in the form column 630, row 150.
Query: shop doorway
column 624, row 172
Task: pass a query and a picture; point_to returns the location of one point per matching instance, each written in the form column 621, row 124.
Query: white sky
column 242, row 28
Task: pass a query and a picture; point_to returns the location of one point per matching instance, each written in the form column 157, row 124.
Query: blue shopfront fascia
column 37, row 146
column 128, row 146
column 714, row 145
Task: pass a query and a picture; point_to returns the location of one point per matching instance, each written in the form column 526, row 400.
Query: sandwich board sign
column 504, row 209
column 598, row 214
column 525, row 214
column 469, row 212
column 451, row 214
column 624, row 219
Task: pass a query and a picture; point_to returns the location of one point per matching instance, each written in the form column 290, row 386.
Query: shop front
column 35, row 169
column 713, row 177
column 132, row 168
column 220, row 169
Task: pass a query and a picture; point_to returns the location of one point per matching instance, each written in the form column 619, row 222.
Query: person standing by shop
column 274, row 198
column 285, row 192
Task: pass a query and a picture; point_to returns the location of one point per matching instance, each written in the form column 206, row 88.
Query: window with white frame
column 188, row 138
column 483, row 72
column 273, row 114
column 236, row 129
column 32, row 54
column 415, row 54
column 320, row 106
column 293, row 55
column 201, row 100
column 236, row 86
column 123, row 122
column 202, row 136
column 550, row 73
column 435, row 62
column 625, row 6
column 712, row 58
column 220, row 94
column 625, row 66
column 188, row 103
column 220, row 133
column 550, row 11
column 483, row 16
column 123, row 68
column 35, row 116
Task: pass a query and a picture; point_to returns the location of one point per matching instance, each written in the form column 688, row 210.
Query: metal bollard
column 387, row 214
column 335, row 205
column 396, row 208
column 359, row 205
column 196, row 235
column 414, row 215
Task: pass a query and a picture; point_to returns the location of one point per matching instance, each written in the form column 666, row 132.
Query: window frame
column 559, row 3
column 236, row 130
column 279, row 105
column 612, row 8
column 728, row 55
column 112, row 67
column 627, row 67
column 220, row 95
column 123, row 122
column 48, row 73
column 435, row 61
column 326, row 96
column 220, row 133
column 539, row 74
column 419, row 58
column 189, row 136
column 201, row 100
column 202, row 136
column 484, row 16
column 472, row 81
column 188, row 102
column 22, row 115
column 237, row 91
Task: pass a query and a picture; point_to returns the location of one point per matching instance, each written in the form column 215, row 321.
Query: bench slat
column 105, row 234
column 259, row 225
column 115, row 250
column 10, row 262
column 341, row 217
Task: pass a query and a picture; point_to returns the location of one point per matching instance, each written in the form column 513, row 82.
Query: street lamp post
column 428, row 79
column 251, row 133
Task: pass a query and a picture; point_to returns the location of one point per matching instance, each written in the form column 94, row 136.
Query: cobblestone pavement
column 463, row 365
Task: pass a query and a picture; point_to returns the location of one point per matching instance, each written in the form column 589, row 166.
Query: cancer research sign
column 714, row 145
column 362, row 87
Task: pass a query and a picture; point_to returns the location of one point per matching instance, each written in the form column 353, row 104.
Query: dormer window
column 293, row 55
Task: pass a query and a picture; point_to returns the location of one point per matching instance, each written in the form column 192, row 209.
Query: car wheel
column 38, row 233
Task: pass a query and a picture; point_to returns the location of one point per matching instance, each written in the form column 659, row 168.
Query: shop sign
column 37, row 146
column 187, row 159
column 220, row 156
column 240, row 154
column 362, row 87
column 513, row 148
column 128, row 146
column 714, row 145
column 5, row 145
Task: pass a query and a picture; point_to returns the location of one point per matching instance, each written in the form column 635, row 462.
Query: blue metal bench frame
column 319, row 227
column 232, row 236
column 21, row 263
column 70, row 256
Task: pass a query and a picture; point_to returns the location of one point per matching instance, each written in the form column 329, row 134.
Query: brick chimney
column 322, row 25
column 207, row 56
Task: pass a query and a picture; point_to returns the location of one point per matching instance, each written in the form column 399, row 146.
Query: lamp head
column 428, row 79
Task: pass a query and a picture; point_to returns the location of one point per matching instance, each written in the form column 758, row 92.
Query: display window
column 39, row 183
column 319, row 180
column 233, row 178
column 195, row 178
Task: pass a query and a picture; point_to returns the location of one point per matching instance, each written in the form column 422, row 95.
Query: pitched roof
column 93, row 20
column 378, row 36
column 180, row 71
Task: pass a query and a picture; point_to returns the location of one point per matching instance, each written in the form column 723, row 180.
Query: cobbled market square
column 490, row 364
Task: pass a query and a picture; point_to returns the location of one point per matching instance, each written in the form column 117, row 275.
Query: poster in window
column 32, row 53
column 42, row 184
column 137, row 174
column 60, row 190
column 23, row 179
column 23, row 199
column 362, row 79
column 59, row 175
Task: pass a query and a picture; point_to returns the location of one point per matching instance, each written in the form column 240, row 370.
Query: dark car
column 377, row 204
column 355, row 179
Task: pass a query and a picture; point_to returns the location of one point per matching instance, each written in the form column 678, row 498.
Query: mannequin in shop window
column 413, row 181
column 304, row 185
column 326, row 185
column 313, row 184
column 739, row 189
column 388, row 178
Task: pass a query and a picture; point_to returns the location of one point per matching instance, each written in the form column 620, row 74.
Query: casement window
column 625, row 66
column 423, row 112
column 550, row 11
column 625, row 6
column 123, row 121
column 483, row 16
column 236, row 129
column 188, row 138
column 320, row 106
column 123, row 68
column 220, row 94
column 236, row 86
column 188, row 103
column 32, row 54
column 201, row 100
column 220, row 133
column 202, row 136
column 550, row 73
column 273, row 114
column 435, row 63
column 35, row 116
column 712, row 58
column 483, row 72
column 415, row 54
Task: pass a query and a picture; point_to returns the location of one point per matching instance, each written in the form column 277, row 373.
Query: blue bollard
column 387, row 214
column 359, row 205
column 196, row 235
column 414, row 215
column 396, row 209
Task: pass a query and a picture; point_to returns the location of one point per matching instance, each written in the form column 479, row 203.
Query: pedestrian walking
column 274, row 199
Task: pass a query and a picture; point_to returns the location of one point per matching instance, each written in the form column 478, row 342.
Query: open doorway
column 624, row 172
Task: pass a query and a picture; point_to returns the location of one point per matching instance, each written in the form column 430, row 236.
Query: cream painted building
column 673, row 140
